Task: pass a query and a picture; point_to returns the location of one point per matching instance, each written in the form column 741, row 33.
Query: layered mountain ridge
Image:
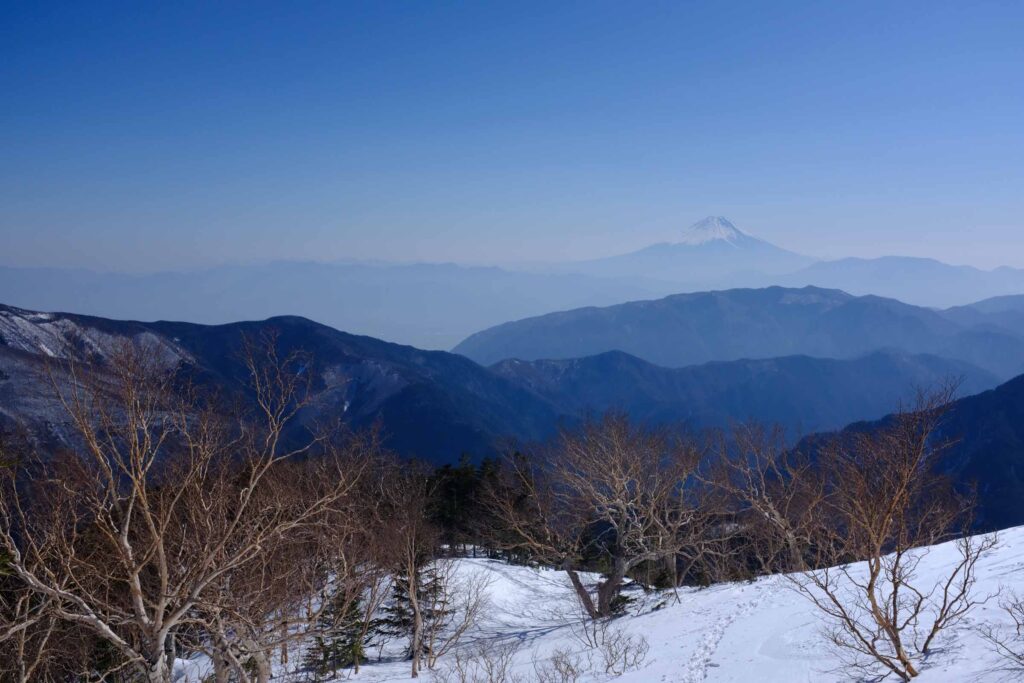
column 438, row 405
column 688, row 329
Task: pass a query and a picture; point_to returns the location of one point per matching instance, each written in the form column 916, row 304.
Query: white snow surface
column 711, row 229
column 59, row 337
column 762, row 630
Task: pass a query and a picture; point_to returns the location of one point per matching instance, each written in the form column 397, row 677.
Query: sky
column 151, row 136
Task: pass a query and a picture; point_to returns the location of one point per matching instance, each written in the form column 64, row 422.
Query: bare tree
column 461, row 594
column 1009, row 646
column 887, row 503
column 608, row 490
column 562, row 666
column 484, row 662
column 29, row 633
column 293, row 590
column 779, row 493
column 132, row 535
column 409, row 542
column 374, row 578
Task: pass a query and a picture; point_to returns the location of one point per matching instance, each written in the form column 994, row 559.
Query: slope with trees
column 800, row 393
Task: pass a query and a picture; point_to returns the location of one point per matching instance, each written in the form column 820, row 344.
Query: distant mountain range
column 920, row 281
column 437, row 305
column 715, row 254
column 687, row 329
column 438, row 405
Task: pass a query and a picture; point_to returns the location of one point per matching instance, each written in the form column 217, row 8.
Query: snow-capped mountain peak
column 712, row 229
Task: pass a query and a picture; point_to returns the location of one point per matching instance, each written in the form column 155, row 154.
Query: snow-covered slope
column 77, row 338
column 756, row 631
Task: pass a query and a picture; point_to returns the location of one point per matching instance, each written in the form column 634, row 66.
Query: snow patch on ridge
column 63, row 338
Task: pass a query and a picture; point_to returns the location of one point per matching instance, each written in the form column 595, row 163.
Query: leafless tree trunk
column 27, row 629
column 373, row 599
column 779, row 492
column 1009, row 646
column 886, row 504
column 409, row 541
column 464, row 596
column 607, row 489
column 135, row 534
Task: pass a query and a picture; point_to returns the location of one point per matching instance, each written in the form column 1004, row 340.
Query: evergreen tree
column 339, row 644
column 457, row 508
column 397, row 621
column 434, row 601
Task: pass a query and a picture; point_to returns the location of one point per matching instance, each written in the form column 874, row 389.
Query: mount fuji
column 710, row 250
column 715, row 229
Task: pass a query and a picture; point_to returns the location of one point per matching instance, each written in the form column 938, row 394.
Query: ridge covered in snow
column 60, row 336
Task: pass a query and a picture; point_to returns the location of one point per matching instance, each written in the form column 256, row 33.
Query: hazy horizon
column 154, row 138
column 539, row 263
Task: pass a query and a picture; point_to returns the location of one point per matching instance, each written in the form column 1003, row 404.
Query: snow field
column 763, row 630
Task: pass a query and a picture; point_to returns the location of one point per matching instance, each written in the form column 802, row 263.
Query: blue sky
column 144, row 136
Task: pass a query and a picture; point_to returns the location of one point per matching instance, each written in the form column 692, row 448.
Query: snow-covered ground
column 754, row 631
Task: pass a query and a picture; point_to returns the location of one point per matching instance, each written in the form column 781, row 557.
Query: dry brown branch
column 779, row 494
column 563, row 666
column 887, row 505
column 607, row 490
column 464, row 596
column 485, row 662
column 1008, row 644
column 136, row 535
column 408, row 543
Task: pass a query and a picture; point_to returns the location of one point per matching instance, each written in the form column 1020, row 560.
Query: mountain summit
column 711, row 229
column 710, row 252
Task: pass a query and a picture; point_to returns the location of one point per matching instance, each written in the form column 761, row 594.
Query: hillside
column 986, row 432
column 800, row 393
column 687, row 329
column 430, row 404
column 439, row 405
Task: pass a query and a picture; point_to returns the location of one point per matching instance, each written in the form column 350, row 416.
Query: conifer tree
column 434, row 602
column 339, row 644
column 397, row 621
